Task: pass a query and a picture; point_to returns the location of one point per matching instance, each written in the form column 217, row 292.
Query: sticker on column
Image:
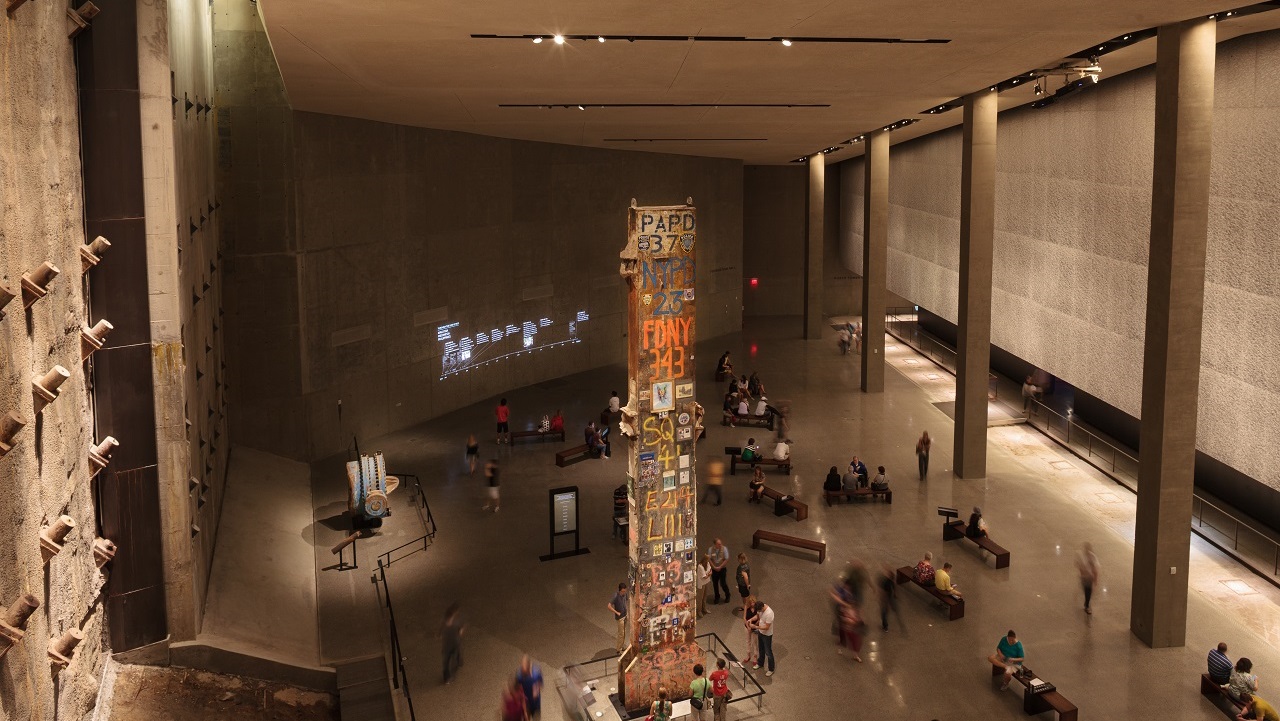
column 685, row 390
column 662, row 397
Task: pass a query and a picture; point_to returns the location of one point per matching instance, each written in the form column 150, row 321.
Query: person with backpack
column 660, row 710
column 700, row 688
column 720, row 690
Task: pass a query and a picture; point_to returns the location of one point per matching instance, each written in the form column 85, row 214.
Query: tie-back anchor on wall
column 13, row 621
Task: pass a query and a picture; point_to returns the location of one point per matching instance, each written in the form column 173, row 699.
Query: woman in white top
column 1242, row 681
column 704, row 576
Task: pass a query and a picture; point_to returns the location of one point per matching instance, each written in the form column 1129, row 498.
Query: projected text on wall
column 462, row 352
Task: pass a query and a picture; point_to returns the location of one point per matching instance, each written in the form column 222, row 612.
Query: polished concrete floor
column 1040, row 502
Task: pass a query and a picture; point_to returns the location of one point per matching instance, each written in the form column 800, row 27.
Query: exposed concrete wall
column 774, row 208
column 179, row 141
column 1072, row 215
column 46, row 474
column 350, row 242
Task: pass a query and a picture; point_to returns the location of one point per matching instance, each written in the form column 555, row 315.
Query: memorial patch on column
column 662, row 421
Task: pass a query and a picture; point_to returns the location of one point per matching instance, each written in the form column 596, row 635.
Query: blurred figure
column 977, row 526
column 530, row 680
column 715, row 481
column 922, row 453
column 491, row 474
column 1087, row 565
column 844, row 341
column 887, row 587
column 473, row 453
column 451, row 631
column 850, row 622
column 856, row 578
column 514, row 707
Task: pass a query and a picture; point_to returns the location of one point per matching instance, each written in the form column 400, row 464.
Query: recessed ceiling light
column 786, row 42
column 600, row 38
column 581, row 108
column 537, row 40
column 559, row 39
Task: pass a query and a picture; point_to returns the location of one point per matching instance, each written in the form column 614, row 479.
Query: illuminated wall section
column 662, row 422
column 464, row 350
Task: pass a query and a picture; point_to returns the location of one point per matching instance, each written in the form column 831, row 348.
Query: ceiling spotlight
column 559, row 39
column 786, row 42
column 581, row 108
column 600, row 38
column 537, row 40
column 1093, row 77
column 1039, row 89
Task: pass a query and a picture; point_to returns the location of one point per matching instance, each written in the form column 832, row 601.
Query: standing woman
column 749, row 617
column 922, row 453
column 704, row 577
column 743, row 576
column 473, row 452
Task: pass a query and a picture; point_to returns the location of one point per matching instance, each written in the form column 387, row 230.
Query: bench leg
column 957, row 611
column 822, row 556
column 888, row 498
column 1002, row 561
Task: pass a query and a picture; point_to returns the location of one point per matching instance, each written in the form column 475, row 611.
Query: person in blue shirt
column 859, row 469
column 530, row 679
column 1009, row 655
column 1219, row 665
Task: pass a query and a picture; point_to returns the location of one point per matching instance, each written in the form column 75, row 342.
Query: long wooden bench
column 1211, row 690
column 763, row 535
column 887, row 495
column 955, row 606
column 958, row 529
column 540, row 435
column 735, row 457
column 1034, row 703
column 801, row 509
column 572, row 455
column 764, row 421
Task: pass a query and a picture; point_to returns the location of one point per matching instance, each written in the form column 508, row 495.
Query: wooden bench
column 887, row 495
column 1211, row 690
column 1034, row 703
column 764, row 421
column 955, row 606
column 956, row 530
column 735, row 457
column 540, row 435
column 763, row 535
column 801, row 509
column 572, row 455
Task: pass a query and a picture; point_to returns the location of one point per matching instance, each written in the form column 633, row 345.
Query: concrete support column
column 875, row 242
column 813, row 248
column 1175, row 307
column 977, row 239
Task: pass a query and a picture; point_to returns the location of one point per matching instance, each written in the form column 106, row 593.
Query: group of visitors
column 522, row 697
column 850, row 336
column 855, row 478
column 706, row 694
column 745, row 398
column 925, row 574
column 1240, row 683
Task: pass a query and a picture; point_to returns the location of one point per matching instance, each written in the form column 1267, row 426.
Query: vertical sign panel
column 662, row 422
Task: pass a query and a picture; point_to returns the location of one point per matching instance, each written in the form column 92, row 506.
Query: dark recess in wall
column 1213, row 476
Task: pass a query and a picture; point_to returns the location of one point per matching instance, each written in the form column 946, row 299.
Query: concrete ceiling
column 414, row 62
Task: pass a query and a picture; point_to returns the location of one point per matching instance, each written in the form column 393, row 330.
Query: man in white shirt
column 764, row 631
column 615, row 403
column 782, row 451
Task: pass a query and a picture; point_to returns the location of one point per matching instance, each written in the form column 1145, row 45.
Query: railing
column 399, row 677
column 587, row 672
column 1098, row 451
column 1255, row 545
column 902, row 323
column 428, row 523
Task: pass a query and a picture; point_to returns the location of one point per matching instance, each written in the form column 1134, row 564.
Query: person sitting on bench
column 977, row 527
column 924, row 569
column 762, row 407
column 1009, row 654
column 833, row 480
column 942, row 582
column 1219, row 664
column 743, row 408
column 557, row 422
column 754, row 386
column 1242, row 680
column 756, row 484
column 595, row 445
column 1256, row 708
column 859, row 469
column 880, row 482
column 729, row 416
column 782, row 451
column 849, row 481
column 751, row 451
column 724, row 366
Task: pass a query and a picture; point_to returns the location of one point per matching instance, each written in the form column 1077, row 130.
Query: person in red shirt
column 720, row 690
column 503, row 412
column 557, row 422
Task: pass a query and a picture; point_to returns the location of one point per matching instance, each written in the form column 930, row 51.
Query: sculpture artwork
column 369, row 485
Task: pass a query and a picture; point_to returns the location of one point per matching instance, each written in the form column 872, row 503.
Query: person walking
column 922, row 453
column 1087, row 565
column 887, row 587
column 530, row 680
column 764, row 631
column 700, row 690
column 451, row 631
column 719, row 554
column 514, row 706
column 703, row 575
column 473, row 453
column 743, row 577
column 618, row 606
column 720, row 690
column 503, row 413
column 715, row 481
column 491, row 474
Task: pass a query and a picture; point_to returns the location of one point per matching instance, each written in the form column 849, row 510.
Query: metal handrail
column 400, row 677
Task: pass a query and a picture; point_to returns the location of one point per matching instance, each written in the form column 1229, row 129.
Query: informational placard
column 662, row 421
column 564, row 511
